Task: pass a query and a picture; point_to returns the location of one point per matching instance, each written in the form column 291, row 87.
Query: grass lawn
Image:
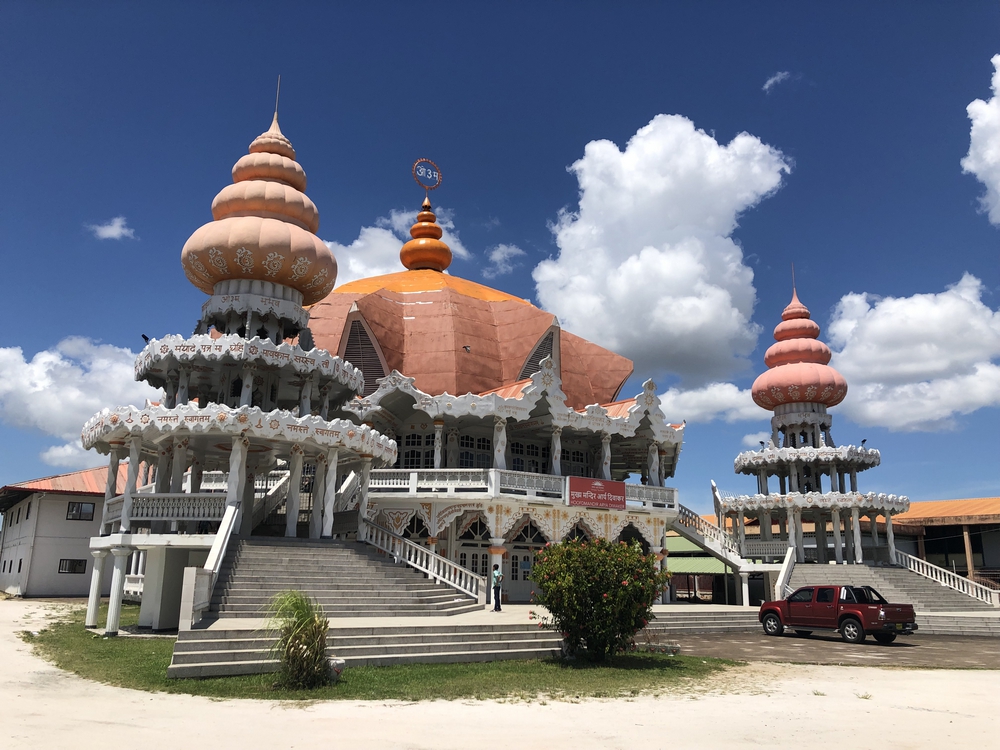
column 141, row 664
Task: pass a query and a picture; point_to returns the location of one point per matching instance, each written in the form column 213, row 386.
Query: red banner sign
column 597, row 493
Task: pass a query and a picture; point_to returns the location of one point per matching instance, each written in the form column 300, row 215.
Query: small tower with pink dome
column 802, row 474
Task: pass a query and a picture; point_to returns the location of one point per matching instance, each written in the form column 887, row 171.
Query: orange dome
column 799, row 370
column 264, row 227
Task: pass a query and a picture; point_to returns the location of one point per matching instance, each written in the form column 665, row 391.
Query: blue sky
column 850, row 167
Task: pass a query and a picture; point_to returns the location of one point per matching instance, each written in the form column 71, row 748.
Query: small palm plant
column 301, row 626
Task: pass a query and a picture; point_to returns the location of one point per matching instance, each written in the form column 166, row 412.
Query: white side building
column 45, row 538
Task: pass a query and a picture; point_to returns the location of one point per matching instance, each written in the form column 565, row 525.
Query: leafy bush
column 598, row 593
column 301, row 625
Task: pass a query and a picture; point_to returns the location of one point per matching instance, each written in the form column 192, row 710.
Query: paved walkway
column 760, row 705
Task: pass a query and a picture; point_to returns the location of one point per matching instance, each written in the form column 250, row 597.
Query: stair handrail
column 347, row 492
column 949, row 579
column 419, row 557
column 688, row 518
column 274, row 497
column 781, row 587
column 199, row 583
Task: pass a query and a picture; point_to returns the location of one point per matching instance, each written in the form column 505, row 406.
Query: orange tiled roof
column 84, row 482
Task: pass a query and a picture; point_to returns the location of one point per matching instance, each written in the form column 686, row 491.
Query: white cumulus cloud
column 59, row 389
column 779, row 77
column 754, row 439
column 647, row 266
column 983, row 159
column 376, row 250
column 714, row 401
column 915, row 363
column 502, row 260
column 116, row 229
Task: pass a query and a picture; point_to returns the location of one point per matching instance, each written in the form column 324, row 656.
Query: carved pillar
column 854, row 479
column 318, row 497
column 555, row 464
column 324, row 409
column 605, row 456
column 170, row 390
column 653, row 464
column 766, row 532
column 246, row 395
column 330, row 491
column 819, row 524
column 800, row 552
column 134, row 448
column 790, row 523
column 117, row 590
column 838, row 549
column 500, row 443
column 366, row 470
column 856, row 528
column 438, row 429
column 96, row 579
column 178, row 464
column 744, row 589
column 305, row 398
column 294, row 485
column 197, row 471
column 663, row 468
column 891, row 538
column 873, row 522
column 183, row 385
column 111, row 487
column 452, row 452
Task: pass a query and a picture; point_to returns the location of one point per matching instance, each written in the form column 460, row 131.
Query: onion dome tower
column 815, row 476
column 239, row 399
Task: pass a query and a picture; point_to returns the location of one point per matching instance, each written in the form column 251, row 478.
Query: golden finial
column 426, row 250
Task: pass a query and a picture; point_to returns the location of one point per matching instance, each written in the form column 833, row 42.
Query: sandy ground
column 760, row 705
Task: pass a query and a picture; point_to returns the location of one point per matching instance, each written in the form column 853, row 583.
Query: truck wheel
column 803, row 633
column 772, row 624
column 885, row 638
column 851, row 630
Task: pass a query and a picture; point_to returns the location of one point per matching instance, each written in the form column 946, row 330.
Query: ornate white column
column 237, row 470
column 554, row 463
column 305, row 398
column 741, row 531
column 653, row 464
column 197, row 472
column 856, row 528
column 134, row 449
column 366, row 470
column 170, row 390
column 294, row 485
column 790, row 523
column 766, row 532
column 438, row 429
column 800, row 552
column 111, row 487
column 605, row 456
column 330, row 491
column 318, row 498
column 182, row 385
column 890, row 537
column 854, row 479
column 744, row 589
column 163, row 455
column 324, row 409
column 246, row 395
column 838, row 549
column 873, row 522
column 452, row 452
column 96, row 579
column 500, row 443
column 178, row 465
column 117, row 590
column 819, row 525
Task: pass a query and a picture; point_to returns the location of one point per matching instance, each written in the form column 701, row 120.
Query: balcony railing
column 497, row 483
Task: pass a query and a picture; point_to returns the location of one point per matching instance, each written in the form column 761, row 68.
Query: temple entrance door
column 523, row 547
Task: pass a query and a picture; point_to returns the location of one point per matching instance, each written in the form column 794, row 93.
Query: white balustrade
column 949, row 579
column 424, row 559
column 530, row 484
column 178, row 506
column 781, row 587
column 708, row 531
column 655, row 498
column 755, row 548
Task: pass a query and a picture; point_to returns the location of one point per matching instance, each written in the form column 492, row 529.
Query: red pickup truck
column 853, row 610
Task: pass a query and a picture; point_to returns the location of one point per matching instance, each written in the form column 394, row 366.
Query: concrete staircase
column 218, row 652
column 895, row 584
column 678, row 622
column 348, row 579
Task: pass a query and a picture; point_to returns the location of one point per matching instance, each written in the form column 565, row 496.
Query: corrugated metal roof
column 930, row 510
column 84, row 482
column 680, row 544
column 699, row 565
column 513, row 390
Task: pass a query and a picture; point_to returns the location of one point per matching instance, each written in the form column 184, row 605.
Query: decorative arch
column 528, row 530
column 579, row 519
column 631, row 534
column 547, row 346
column 359, row 346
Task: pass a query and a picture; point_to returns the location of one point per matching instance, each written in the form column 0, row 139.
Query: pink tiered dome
column 799, row 364
column 264, row 228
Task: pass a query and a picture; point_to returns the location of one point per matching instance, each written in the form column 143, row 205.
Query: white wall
column 44, row 540
column 15, row 556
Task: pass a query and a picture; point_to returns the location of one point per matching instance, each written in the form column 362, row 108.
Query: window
column 466, row 460
column 847, row 595
column 18, row 519
column 514, row 567
column 412, row 459
column 531, row 450
column 484, row 444
column 413, row 439
column 824, row 596
column 517, row 463
column 466, row 441
column 484, row 461
column 27, row 511
column 80, row 512
column 517, row 449
column 802, row 595
column 72, row 566
column 19, row 561
column 463, row 559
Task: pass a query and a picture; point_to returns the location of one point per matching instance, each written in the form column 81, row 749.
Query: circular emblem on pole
column 426, row 174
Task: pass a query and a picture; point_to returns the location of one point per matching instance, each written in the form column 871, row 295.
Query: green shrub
column 598, row 593
column 301, row 626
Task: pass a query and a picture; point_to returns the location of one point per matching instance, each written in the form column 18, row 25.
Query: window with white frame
column 72, row 566
column 80, row 512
